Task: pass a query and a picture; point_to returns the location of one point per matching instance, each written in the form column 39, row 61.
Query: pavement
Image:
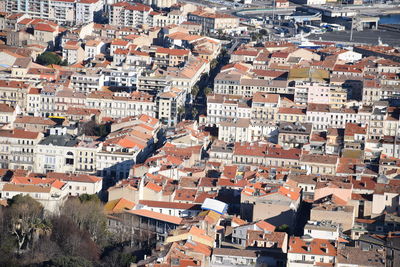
column 366, row 36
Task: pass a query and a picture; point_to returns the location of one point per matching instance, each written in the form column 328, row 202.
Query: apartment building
column 14, row 93
column 73, row 52
column 120, row 78
column 87, row 82
column 310, row 252
column 62, row 11
column 265, row 106
column 294, row 134
column 129, row 14
column 212, row 22
column 88, row 11
column 246, row 130
column 18, row 148
column 160, row 3
column 225, row 107
column 238, row 84
column 93, row 48
column 170, row 104
column 166, row 57
column 50, row 196
column 35, row 8
column 121, row 105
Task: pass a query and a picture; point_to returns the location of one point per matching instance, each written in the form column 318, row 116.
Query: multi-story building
column 160, row 3
column 14, row 93
column 170, row 105
column 226, row 107
column 264, row 106
column 129, row 14
column 62, row 11
column 120, row 78
column 246, row 130
column 73, row 52
column 35, row 8
column 212, row 22
column 166, row 57
column 294, row 134
column 121, row 105
column 93, row 48
column 88, row 11
column 87, row 82
column 18, row 148
column 310, row 252
column 56, row 152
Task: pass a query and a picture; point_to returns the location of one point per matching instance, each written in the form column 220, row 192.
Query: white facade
column 50, row 197
column 349, row 56
column 86, row 10
column 86, row 82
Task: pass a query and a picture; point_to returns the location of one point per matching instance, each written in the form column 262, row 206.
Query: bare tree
column 25, row 216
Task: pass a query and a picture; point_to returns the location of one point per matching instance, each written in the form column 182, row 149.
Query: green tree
column 48, row 58
column 195, row 90
column 283, row 228
column 86, row 197
column 208, row 91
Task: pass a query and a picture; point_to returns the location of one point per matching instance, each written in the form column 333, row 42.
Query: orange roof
column 266, row 226
column 172, row 52
column 44, row 28
column 157, row 216
column 321, row 247
column 118, row 205
column 119, row 42
column 153, row 186
column 37, row 181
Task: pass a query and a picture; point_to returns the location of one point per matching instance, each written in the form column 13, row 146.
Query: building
column 129, row 14
column 212, row 22
column 18, row 149
column 170, row 105
column 88, row 11
column 310, row 252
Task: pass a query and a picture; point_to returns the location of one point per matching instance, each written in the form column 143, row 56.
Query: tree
column 195, row 90
column 208, row 91
column 194, row 112
column 48, row 58
column 68, row 261
column 88, row 215
column 283, row 228
column 181, row 111
column 213, row 63
column 263, row 32
column 25, row 216
column 72, row 240
column 87, row 197
column 7, row 242
column 118, row 257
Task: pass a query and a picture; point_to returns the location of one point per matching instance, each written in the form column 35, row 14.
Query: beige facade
column 343, row 215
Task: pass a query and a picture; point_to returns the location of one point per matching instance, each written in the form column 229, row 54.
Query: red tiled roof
column 157, row 216
column 173, row 52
